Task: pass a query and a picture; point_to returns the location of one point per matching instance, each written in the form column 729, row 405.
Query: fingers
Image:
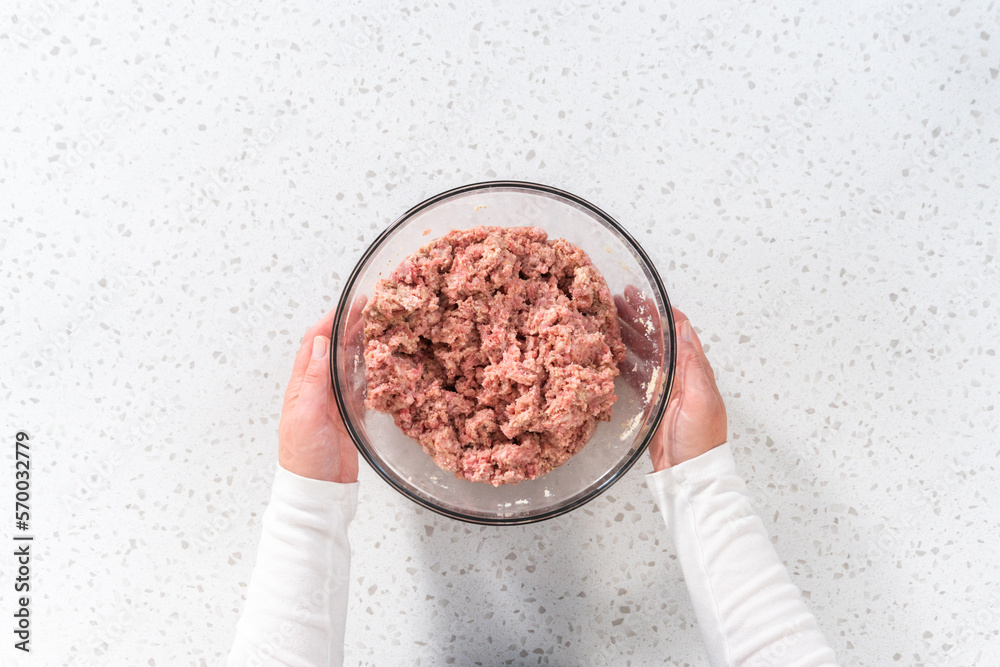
column 633, row 374
column 636, row 317
column 322, row 327
column 679, row 319
column 305, row 350
column 688, row 344
column 625, row 310
column 359, row 306
column 633, row 295
column 355, row 319
column 701, row 353
column 642, row 304
column 315, row 391
column 695, row 418
column 691, row 356
column 638, row 320
column 634, row 339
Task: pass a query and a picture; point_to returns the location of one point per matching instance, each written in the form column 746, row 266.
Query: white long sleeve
column 748, row 609
column 296, row 607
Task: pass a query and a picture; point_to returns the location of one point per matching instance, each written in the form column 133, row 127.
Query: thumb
column 314, row 394
column 691, row 360
column 688, row 346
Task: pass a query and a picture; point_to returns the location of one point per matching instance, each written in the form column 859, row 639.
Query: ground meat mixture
column 496, row 349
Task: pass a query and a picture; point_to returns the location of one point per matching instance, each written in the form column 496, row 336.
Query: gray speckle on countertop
column 184, row 188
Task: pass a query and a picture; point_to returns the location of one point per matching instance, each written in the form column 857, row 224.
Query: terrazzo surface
column 184, row 188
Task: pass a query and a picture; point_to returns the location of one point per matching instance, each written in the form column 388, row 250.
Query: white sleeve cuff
column 296, row 608
column 314, row 494
column 749, row 610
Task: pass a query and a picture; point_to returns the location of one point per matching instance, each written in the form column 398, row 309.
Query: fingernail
column 686, row 331
column 319, row 347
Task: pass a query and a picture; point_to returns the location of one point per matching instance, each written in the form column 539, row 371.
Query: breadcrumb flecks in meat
column 496, row 349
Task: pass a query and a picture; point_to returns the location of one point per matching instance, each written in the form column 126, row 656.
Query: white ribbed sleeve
column 748, row 609
column 296, row 606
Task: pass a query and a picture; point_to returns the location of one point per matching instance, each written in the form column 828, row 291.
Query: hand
column 312, row 439
column 637, row 317
column 695, row 420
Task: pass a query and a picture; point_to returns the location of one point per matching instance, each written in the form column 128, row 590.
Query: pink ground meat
column 496, row 349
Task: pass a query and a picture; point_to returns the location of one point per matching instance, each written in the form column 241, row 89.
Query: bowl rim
column 596, row 491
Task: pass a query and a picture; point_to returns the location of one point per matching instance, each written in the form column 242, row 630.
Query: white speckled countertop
column 183, row 189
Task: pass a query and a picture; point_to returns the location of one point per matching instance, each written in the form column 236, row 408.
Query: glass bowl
column 643, row 387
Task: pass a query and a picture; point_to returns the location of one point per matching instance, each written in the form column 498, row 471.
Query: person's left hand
column 312, row 439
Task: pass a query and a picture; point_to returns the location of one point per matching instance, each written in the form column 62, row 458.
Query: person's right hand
column 695, row 420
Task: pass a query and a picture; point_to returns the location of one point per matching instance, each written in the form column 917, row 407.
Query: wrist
column 320, row 471
column 320, row 475
column 663, row 459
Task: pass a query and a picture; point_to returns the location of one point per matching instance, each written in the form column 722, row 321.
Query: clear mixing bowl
column 642, row 388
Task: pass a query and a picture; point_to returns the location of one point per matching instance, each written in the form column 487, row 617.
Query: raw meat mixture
column 496, row 349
